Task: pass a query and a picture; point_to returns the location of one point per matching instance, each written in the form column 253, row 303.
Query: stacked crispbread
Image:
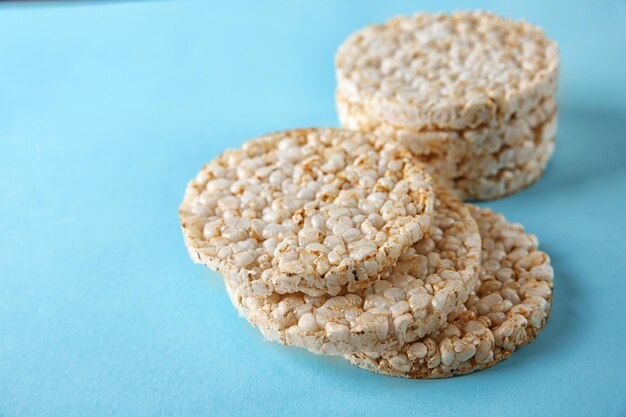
column 470, row 94
column 339, row 242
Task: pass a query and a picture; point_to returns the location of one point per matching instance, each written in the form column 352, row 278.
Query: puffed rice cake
column 430, row 281
column 485, row 140
column 509, row 309
column 308, row 210
column 468, row 93
column 447, row 71
column 484, row 163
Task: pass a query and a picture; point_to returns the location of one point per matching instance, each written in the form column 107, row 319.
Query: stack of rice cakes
column 339, row 242
column 470, row 94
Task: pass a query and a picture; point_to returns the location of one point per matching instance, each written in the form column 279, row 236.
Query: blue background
column 107, row 110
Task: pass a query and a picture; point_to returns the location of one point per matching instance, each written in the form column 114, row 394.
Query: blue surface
column 106, row 111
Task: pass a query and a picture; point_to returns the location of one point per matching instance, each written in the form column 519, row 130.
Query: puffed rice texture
column 309, row 210
column 431, row 280
column 447, row 71
column 508, row 310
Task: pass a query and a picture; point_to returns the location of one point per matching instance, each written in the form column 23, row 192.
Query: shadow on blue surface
column 592, row 140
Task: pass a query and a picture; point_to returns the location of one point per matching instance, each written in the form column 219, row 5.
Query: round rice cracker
column 509, row 309
column 308, row 210
column 439, row 71
column 508, row 181
column 481, row 164
column 431, row 280
column 506, row 172
column 454, row 144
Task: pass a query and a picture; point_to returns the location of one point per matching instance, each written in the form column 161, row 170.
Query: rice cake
column 447, row 71
column 431, row 280
column 308, row 210
column 485, row 163
column 508, row 310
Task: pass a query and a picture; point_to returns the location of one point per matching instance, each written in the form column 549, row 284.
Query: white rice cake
column 508, row 310
column 431, row 280
column 447, row 71
column 309, row 210
column 478, row 164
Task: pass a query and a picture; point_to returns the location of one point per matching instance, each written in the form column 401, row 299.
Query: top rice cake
column 447, row 72
column 308, row 210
